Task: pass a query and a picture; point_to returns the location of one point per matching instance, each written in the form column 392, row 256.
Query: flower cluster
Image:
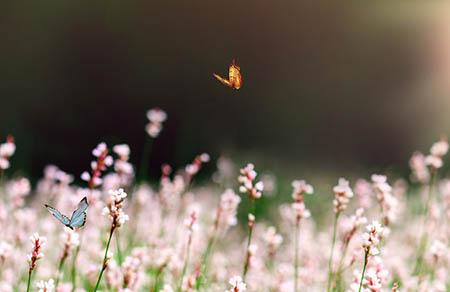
column 225, row 215
column 237, row 285
column 300, row 189
column 191, row 221
column 387, row 201
column 114, row 209
column 156, row 117
column 103, row 161
column 247, row 181
column 46, row 286
column 7, row 150
column 36, row 253
column 437, row 151
column 342, row 194
column 273, row 240
column 130, row 270
column 122, row 166
column 352, row 225
column 372, row 237
column 193, row 168
column 419, row 168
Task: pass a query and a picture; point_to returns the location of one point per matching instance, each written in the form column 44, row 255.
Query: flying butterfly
column 78, row 216
column 234, row 76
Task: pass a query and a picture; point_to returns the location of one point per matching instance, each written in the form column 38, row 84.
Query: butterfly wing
column 223, row 80
column 235, row 76
column 78, row 221
column 79, row 215
column 62, row 218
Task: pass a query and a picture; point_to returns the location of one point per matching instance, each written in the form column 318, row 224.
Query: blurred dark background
column 326, row 85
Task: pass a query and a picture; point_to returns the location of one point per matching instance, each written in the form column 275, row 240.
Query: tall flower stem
column 330, row 260
column 366, row 259
column 105, row 259
column 143, row 171
column 249, row 240
column 29, row 280
column 424, row 234
column 60, row 271
column 296, row 246
column 186, row 260
column 119, row 251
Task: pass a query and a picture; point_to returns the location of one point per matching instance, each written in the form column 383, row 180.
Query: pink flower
column 247, row 181
column 36, row 254
column 343, row 192
column 7, row 150
column 156, row 117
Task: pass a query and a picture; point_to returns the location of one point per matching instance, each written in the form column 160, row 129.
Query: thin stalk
column 143, row 171
column 29, row 281
column 340, row 269
column 330, row 261
column 157, row 277
column 60, row 270
column 74, row 264
column 119, row 251
column 186, row 260
column 424, row 234
column 366, row 258
column 296, row 246
column 104, row 265
column 249, row 240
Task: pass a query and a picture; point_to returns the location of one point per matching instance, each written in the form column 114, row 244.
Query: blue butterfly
column 78, row 216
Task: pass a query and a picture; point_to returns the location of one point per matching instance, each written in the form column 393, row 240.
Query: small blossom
column 156, row 117
column 46, row 286
column 114, row 209
column 272, row 239
column 7, row 150
column 343, row 192
column 247, row 181
column 36, row 254
column 372, row 237
column 237, row 285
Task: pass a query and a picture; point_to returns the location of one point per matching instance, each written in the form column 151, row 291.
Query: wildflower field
column 380, row 233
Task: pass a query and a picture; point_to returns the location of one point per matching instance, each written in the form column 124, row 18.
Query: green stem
column 338, row 275
column 29, row 280
column 60, row 271
column 74, row 265
column 330, row 261
column 186, row 260
column 424, row 234
column 296, row 243
column 104, row 259
column 119, row 251
column 366, row 258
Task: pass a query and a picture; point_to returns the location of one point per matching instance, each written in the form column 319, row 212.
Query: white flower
column 46, row 286
column 237, row 285
column 372, row 237
column 122, row 150
column 247, row 181
column 434, row 161
column 439, row 148
column 343, row 193
column 100, row 149
column 301, row 187
column 156, row 115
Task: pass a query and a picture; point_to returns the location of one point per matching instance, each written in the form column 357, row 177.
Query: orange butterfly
column 234, row 77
